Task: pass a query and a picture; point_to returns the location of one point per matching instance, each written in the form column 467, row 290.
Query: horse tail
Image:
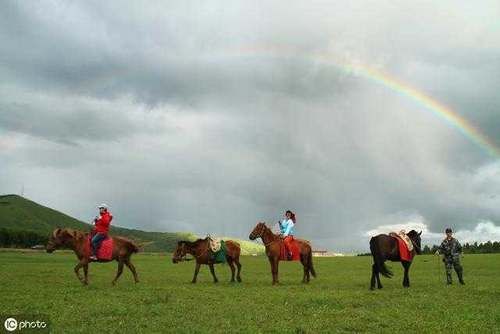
column 310, row 260
column 381, row 267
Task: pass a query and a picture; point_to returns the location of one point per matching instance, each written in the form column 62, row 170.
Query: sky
column 209, row 117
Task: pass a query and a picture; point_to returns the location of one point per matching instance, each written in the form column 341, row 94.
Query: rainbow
column 441, row 111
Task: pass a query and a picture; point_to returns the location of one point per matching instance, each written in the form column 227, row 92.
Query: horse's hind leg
column 238, row 265
column 305, row 264
column 374, row 279
column 212, row 270
column 132, row 269
column 377, row 274
column 119, row 271
column 231, row 265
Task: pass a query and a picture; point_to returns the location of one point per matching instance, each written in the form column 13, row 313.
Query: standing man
column 451, row 250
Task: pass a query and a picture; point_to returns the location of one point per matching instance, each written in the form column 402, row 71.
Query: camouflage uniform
column 451, row 250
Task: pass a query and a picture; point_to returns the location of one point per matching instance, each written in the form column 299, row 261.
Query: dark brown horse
column 273, row 244
column 78, row 242
column 384, row 247
column 200, row 250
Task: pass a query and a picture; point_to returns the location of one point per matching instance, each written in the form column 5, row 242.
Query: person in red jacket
column 101, row 229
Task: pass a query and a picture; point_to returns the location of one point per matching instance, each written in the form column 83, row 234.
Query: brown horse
column 273, row 244
column 78, row 242
column 200, row 250
column 384, row 247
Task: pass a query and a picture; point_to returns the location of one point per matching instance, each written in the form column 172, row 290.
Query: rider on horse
column 287, row 231
column 100, row 231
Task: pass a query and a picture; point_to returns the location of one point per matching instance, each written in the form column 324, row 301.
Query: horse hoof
column 193, row 282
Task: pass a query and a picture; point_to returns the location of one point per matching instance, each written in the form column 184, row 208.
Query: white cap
column 103, row 206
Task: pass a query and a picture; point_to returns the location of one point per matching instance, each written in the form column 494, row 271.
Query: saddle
column 402, row 235
column 214, row 244
column 217, row 248
column 294, row 248
column 105, row 251
column 405, row 245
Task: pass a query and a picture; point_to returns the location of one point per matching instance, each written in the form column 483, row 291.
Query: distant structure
column 325, row 253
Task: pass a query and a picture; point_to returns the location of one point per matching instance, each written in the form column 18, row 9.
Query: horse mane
column 190, row 243
column 75, row 234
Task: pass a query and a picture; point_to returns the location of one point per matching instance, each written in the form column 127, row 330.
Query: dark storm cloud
column 209, row 117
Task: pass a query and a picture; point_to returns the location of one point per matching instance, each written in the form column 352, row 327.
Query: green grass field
column 338, row 300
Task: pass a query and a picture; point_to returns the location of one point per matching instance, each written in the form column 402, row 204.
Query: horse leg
column 238, row 264
column 374, row 279
column 406, row 279
column 86, row 273
column 77, row 272
column 212, row 270
column 303, row 260
column 196, row 271
column 131, row 267
column 119, row 271
column 231, row 265
column 274, row 269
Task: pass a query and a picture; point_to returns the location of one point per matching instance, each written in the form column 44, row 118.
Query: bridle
column 260, row 232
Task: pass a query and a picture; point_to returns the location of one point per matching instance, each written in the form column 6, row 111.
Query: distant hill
column 21, row 214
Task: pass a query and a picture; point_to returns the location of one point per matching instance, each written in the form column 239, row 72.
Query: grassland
column 337, row 301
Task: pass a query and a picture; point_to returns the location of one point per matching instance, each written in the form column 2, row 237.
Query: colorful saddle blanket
column 294, row 249
column 219, row 256
column 404, row 252
column 105, row 251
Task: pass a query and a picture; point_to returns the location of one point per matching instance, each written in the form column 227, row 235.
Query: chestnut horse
column 273, row 244
column 384, row 247
column 200, row 250
column 78, row 242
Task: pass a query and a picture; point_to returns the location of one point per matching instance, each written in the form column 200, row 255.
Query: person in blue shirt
column 287, row 231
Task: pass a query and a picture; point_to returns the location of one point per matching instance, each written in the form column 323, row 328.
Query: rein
column 266, row 229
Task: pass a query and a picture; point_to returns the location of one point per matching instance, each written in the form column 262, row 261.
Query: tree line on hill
column 21, row 239
column 470, row 248
column 467, row 248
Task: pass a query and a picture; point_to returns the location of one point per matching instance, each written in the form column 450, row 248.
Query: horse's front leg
column 406, row 279
column 86, row 272
column 196, row 271
column 274, row 269
column 212, row 270
column 77, row 272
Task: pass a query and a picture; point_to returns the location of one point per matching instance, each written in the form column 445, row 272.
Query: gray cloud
column 209, row 117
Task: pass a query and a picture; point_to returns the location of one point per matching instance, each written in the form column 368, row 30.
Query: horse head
column 62, row 238
column 180, row 252
column 416, row 240
column 258, row 231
